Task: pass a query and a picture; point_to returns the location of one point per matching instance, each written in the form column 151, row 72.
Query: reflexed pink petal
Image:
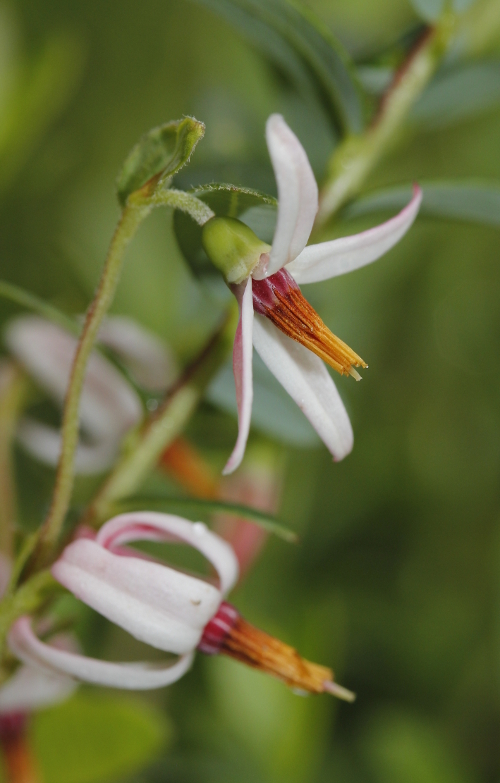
column 44, row 443
column 297, row 193
column 132, row 676
column 329, row 259
column 109, row 405
column 149, row 361
column 242, row 368
column 30, row 688
column 161, row 606
column 307, row 381
column 154, row 526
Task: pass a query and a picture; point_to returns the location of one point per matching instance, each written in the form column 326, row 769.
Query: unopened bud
column 232, row 247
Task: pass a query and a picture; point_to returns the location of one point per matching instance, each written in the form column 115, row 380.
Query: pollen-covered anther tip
column 279, row 298
column 337, row 690
column 228, row 633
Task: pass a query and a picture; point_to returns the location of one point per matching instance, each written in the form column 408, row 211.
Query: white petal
column 329, row 259
column 109, row 405
column 154, row 526
column 297, row 193
column 307, row 381
column 132, row 676
column 44, row 443
column 149, row 361
column 242, row 369
column 30, row 688
column 156, row 604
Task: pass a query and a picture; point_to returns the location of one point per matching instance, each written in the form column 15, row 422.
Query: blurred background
column 396, row 579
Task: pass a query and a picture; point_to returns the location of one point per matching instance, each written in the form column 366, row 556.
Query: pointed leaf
column 302, row 48
column 160, row 153
column 193, row 507
column 475, row 201
column 32, row 302
column 250, row 206
column 457, row 94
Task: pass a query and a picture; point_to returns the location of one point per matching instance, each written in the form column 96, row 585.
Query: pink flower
column 161, row 606
column 110, row 406
column 274, row 316
column 31, row 688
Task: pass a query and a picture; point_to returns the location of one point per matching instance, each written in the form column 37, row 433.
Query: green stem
column 163, row 427
column 186, row 202
column 12, row 394
column 355, row 158
column 133, row 214
column 28, row 599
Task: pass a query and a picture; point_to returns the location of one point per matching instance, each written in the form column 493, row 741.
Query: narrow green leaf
column 303, row 49
column 457, row 94
column 98, row 737
column 193, row 507
column 252, row 207
column 32, row 302
column 475, row 201
column 161, row 153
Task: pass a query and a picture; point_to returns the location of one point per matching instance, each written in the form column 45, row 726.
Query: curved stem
column 162, row 428
column 355, row 158
column 131, row 217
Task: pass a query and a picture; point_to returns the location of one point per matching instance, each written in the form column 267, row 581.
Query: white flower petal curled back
column 304, row 376
column 109, row 406
column 330, row 259
column 243, row 371
column 297, row 194
column 147, row 358
column 29, row 688
column 157, row 604
column 300, row 375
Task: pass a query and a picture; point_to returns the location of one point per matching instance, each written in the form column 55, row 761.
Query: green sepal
column 233, row 247
column 159, row 154
column 252, row 207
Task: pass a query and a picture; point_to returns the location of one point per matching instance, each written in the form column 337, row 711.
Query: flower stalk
column 132, row 216
column 162, row 428
column 357, row 156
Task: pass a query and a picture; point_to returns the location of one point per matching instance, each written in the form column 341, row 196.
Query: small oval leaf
column 160, row 153
column 255, row 209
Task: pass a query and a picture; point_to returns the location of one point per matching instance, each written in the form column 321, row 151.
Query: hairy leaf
column 161, row 152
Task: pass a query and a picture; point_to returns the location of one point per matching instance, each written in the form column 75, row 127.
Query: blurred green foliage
column 396, row 581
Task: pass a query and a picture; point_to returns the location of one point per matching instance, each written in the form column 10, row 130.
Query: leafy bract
column 458, row 93
column 98, row 737
column 252, row 207
column 304, row 50
column 160, row 153
column 194, row 507
column 474, row 201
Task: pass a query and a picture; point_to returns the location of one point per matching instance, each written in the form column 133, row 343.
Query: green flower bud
column 232, row 247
